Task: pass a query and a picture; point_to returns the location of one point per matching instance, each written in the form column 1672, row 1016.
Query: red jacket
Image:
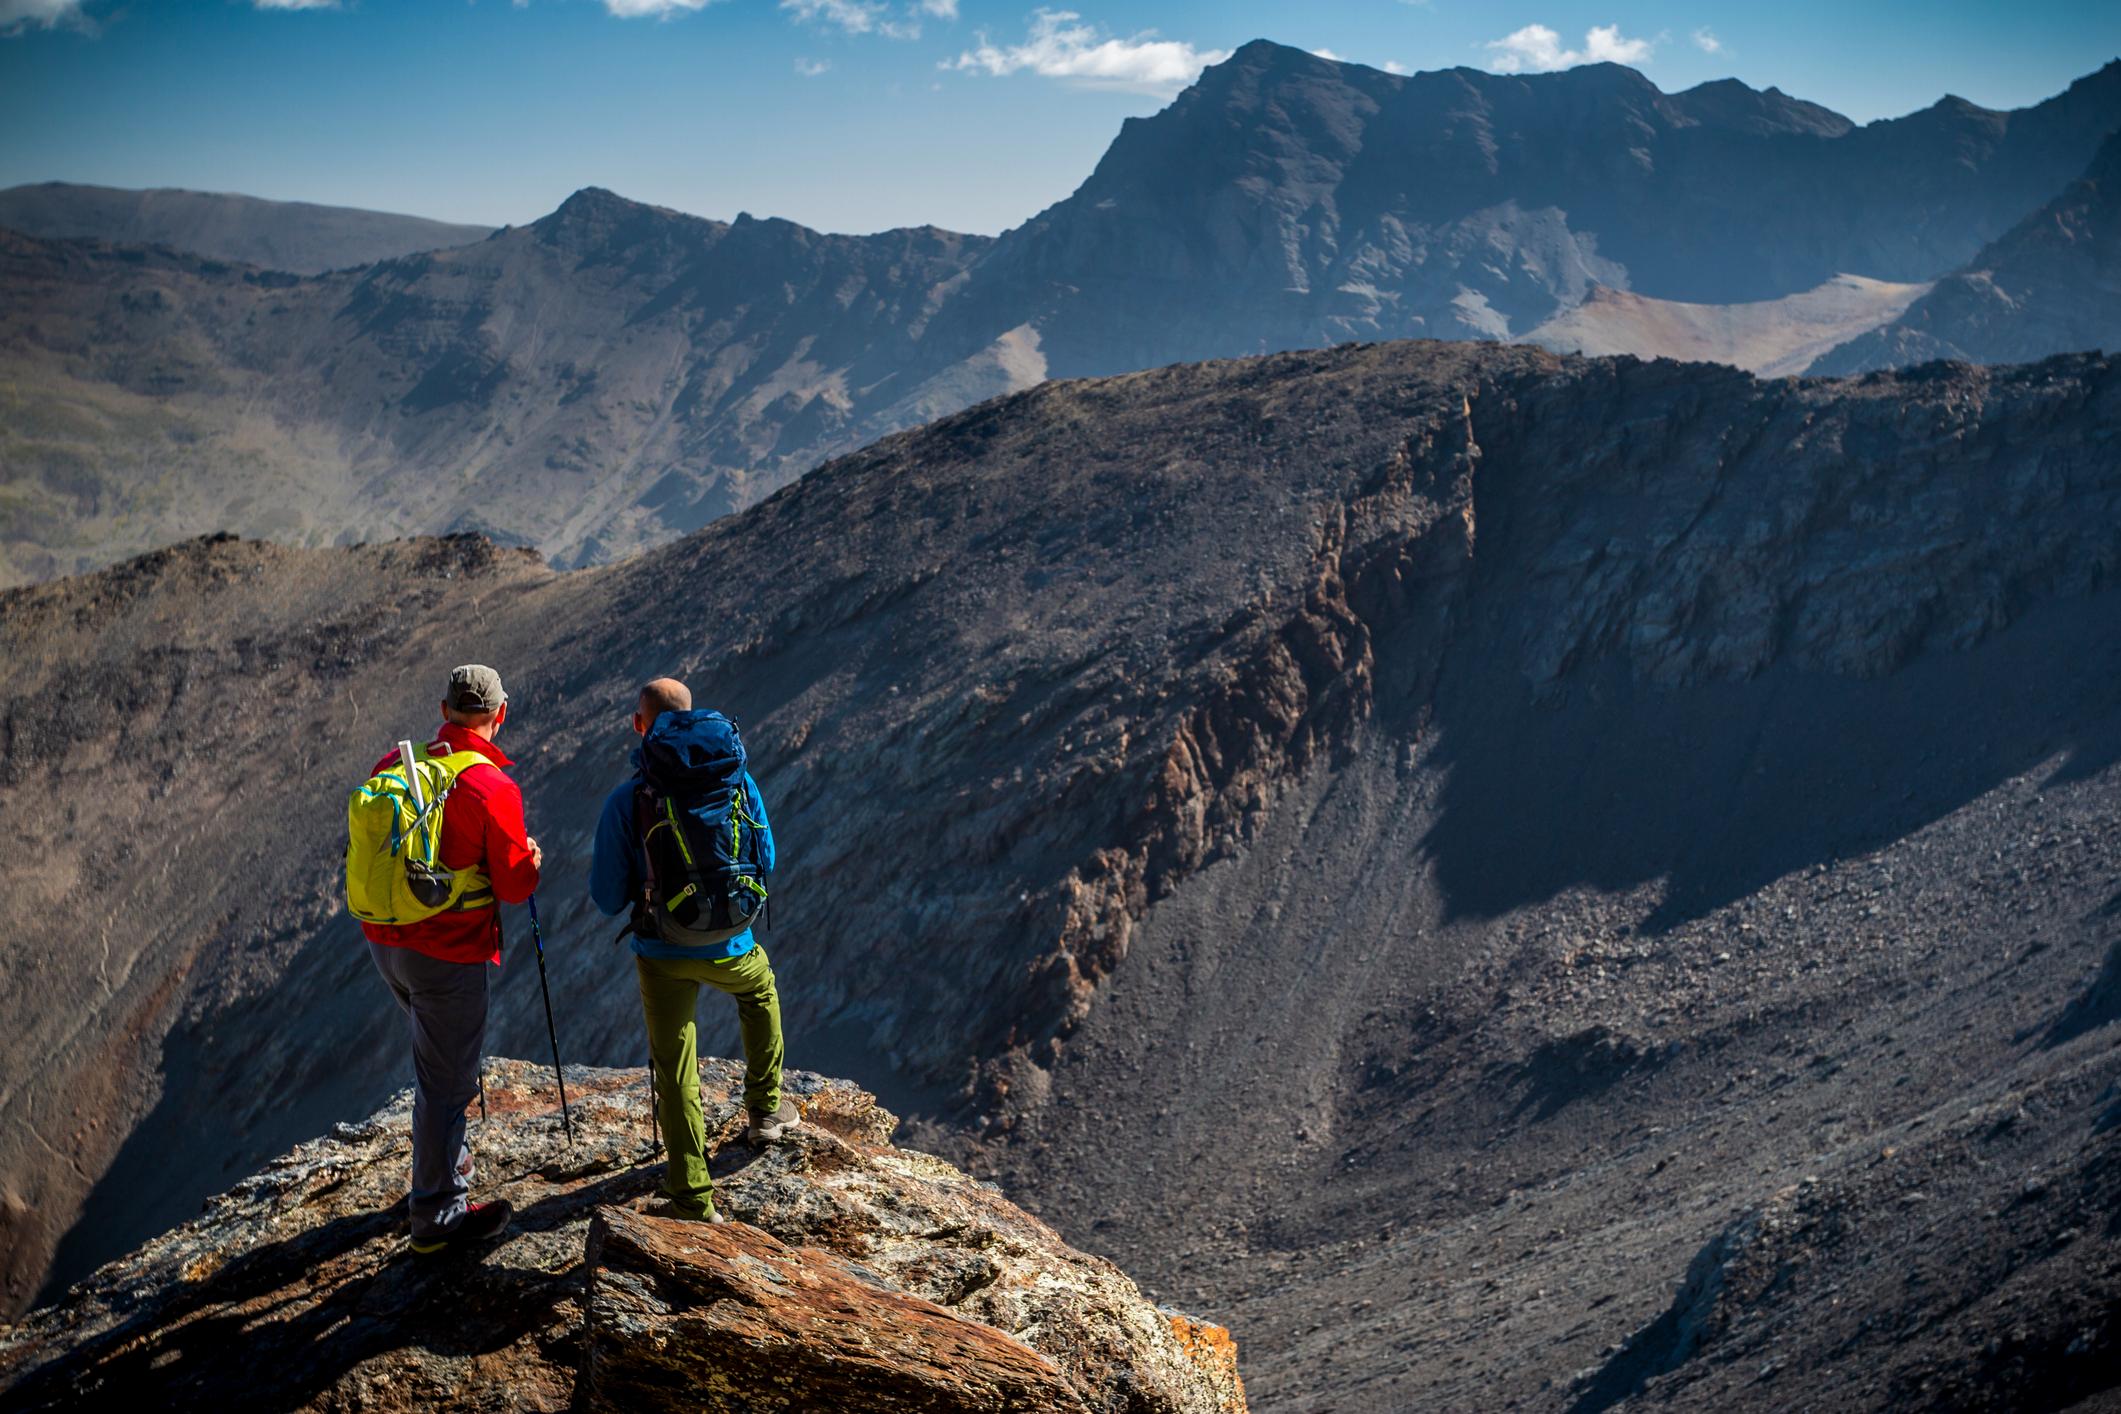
column 482, row 825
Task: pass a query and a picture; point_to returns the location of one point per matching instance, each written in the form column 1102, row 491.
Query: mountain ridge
column 1304, row 160
column 301, row 237
column 616, row 374
column 2051, row 281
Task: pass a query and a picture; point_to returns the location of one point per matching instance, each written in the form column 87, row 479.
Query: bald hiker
column 435, row 842
column 685, row 846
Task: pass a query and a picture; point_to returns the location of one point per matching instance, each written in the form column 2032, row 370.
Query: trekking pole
column 655, row 1131
column 566, row 1120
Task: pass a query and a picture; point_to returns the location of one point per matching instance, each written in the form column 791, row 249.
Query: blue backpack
column 706, row 872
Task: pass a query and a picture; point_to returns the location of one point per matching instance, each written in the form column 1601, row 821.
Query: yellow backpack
column 394, row 871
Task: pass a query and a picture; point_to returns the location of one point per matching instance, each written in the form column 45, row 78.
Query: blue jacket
column 617, row 871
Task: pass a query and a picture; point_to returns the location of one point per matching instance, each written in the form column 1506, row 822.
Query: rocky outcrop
column 688, row 1316
column 855, row 1275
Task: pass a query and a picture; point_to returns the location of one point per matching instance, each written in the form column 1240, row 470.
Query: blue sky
column 849, row 115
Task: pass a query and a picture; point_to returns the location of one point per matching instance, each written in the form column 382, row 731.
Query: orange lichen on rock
column 1214, row 1353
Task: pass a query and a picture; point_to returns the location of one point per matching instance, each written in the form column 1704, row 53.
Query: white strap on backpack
column 412, row 775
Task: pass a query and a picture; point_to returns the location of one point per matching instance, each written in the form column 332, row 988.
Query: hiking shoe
column 481, row 1222
column 764, row 1129
column 668, row 1208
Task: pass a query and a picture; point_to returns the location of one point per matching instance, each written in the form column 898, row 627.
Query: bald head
column 662, row 695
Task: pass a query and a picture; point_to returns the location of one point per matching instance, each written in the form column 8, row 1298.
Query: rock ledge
column 856, row 1274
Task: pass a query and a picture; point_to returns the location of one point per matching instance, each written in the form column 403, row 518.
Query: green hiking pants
column 670, row 991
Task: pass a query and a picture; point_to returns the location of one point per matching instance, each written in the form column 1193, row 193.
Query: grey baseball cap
column 474, row 687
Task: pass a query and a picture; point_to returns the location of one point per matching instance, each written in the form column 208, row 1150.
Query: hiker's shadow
column 285, row 1321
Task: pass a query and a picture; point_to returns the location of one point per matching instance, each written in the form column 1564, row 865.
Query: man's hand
column 537, row 854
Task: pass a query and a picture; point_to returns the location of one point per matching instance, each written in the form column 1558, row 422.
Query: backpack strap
column 642, row 922
column 479, row 894
column 643, row 822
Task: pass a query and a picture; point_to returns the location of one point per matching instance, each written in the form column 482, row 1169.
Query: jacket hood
column 691, row 753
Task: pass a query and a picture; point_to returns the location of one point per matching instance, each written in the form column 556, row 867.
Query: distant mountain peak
column 595, row 218
column 1259, row 58
column 597, row 201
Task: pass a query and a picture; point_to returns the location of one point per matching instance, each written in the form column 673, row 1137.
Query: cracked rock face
column 687, row 1316
column 851, row 1269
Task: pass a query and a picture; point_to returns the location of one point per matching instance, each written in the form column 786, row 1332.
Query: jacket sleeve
column 614, row 864
column 758, row 811
column 508, row 864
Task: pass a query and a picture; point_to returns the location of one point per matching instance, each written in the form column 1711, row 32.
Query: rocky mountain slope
column 608, row 376
column 2052, row 284
column 295, row 236
column 853, row 1275
column 1287, row 201
column 1774, row 338
column 615, row 374
column 1424, row 843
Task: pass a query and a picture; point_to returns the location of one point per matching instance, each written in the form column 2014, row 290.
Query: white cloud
column 867, row 16
column 853, row 16
column 811, row 68
column 1329, row 54
column 1393, row 66
column 1709, row 43
column 653, row 9
column 1061, row 46
column 19, row 15
column 1537, row 49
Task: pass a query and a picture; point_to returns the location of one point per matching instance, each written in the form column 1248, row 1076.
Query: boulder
column 688, row 1316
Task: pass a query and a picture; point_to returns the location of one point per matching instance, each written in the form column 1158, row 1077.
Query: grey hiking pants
column 446, row 1004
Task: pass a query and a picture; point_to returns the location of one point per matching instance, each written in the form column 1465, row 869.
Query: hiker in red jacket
column 436, row 968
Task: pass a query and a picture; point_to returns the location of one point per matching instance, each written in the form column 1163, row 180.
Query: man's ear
column 502, row 715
